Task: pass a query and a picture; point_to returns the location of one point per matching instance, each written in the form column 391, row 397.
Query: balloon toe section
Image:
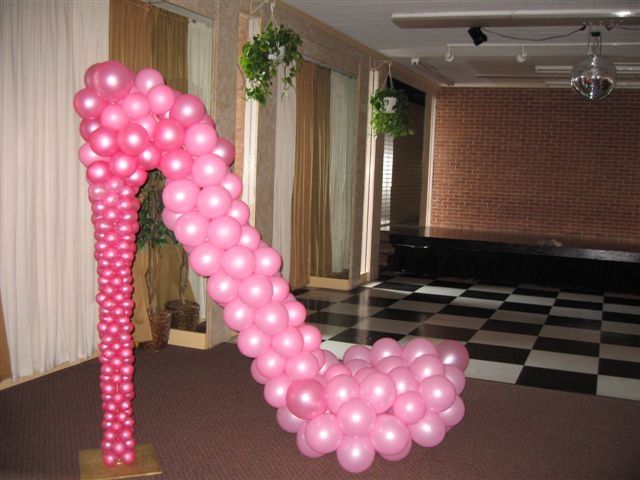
column 381, row 398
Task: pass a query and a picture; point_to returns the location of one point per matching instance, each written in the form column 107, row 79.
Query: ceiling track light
column 594, row 77
column 449, row 56
column 477, row 35
column 522, row 56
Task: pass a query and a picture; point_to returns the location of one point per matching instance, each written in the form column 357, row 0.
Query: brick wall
column 537, row 160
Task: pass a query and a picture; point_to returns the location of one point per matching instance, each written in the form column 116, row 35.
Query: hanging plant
column 261, row 57
column 390, row 113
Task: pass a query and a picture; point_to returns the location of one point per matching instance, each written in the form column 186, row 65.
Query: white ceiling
column 494, row 62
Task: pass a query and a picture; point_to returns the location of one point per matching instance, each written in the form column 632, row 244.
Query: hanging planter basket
column 390, row 113
column 262, row 56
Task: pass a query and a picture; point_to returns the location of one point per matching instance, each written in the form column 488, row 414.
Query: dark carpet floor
column 206, row 418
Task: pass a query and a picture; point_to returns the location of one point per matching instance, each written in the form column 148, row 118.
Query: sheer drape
column 200, row 42
column 342, row 150
column 47, row 269
column 320, row 201
column 5, row 360
column 301, row 203
column 284, row 167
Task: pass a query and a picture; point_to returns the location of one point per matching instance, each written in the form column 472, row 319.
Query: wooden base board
column 92, row 468
column 332, row 283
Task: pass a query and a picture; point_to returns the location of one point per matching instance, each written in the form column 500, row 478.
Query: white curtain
column 342, row 149
column 47, row 269
column 199, row 48
column 284, row 165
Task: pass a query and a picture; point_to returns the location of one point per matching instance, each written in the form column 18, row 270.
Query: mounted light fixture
column 522, row 56
column 594, row 77
column 449, row 56
column 477, row 35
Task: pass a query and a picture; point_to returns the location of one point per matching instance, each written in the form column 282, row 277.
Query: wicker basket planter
column 160, row 327
column 184, row 315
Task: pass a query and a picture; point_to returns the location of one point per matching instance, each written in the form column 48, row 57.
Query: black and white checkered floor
column 583, row 342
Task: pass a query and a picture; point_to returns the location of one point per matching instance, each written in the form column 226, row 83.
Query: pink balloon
column 147, row 78
column 136, row 105
column 112, row 80
column 429, row 431
column 149, row 157
column 252, row 342
column 123, row 165
column 161, row 99
column 356, row 365
column 288, row 342
column 312, row 337
column 268, row 261
column 240, row 211
column 279, row 284
column 149, row 123
column 98, row 172
column 454, row 414
column 427, row 366
column 288, row 421
column 339, row 390
column 305, row 398
column 88, row 126
column 417, row 347
column 398, row 456
column 239, row 316
column 239, row 262
column 255, row 290
column 272, row 318
column 250, row 238
column 137, row 178
column 181, row 196
column 88, row 104
column 456, row 377
column 113, row 117
column 104, row 141
column 168, row 135
column 389, row 363
column 215, row 202
column 409, row 407
column 205, row 259
column 271, row 365
column 357, row 352
column 200, row 139
column 224, row 232
column 438, row 393
column 385, row 347
column 404, row 380
column 256, row 375
column 275, row 390
column 301, row 366
column 88, row 156
column 453, row 353
column 233, row 184
column 334, row 370
column 356, row 417
column 329, row 361
column 323, row 433
column 225, row 150
column 379, row 390
column 207, row 120
column 89, row 75
column 389, row 435
column 355, row 454
column 208, row 170
column 297, row 313
column 303, row 446
column 133, row 139
column 187, row 110
column 176, row 164
column 191, row 229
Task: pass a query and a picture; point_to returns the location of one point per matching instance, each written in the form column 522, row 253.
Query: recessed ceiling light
column 623, row 13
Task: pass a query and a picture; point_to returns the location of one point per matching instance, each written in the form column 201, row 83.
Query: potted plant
column 390, row 113
column 153, row 234
column 261, row 57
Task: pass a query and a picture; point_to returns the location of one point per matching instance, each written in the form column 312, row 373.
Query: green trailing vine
column 261, row 57
column 396, row 123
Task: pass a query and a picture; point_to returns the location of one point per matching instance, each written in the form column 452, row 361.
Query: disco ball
column 594, row 77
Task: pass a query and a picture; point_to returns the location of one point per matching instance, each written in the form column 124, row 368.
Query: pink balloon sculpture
column 382, row 399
